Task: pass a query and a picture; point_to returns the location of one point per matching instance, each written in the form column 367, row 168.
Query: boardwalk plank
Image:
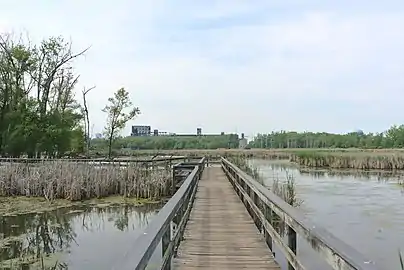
column 220, row 233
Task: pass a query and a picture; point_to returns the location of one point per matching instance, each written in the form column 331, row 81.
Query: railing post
column 292, row 239
column 177, row 220
column 268, row 238
column 173, row 180
column 258, row 203
column 165, row 242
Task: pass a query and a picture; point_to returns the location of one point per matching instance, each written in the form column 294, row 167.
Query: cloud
column 235, row 65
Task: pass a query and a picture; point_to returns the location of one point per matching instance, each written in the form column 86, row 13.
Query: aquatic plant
column 213, row 153
column 350, row 160
column 248, row 168
column 286, row 190
column 80, row 181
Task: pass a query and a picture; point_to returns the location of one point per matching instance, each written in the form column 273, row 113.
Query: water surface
column 365, row 210
column 77, row 238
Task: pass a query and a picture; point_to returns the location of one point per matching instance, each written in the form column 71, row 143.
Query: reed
column 214, row 153
column 284, row 189
column 287, row 190
column 73, row 181
column 364, row 160
column 244, row 165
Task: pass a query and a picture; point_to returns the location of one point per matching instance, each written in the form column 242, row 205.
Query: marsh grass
column 74, row 181
column 287, row 190
column 353, row 158
column 244, row 165
column 284, row 189
column 213, row 153
column 360, row 160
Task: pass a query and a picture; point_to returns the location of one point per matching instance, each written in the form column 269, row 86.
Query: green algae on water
column 12, row 206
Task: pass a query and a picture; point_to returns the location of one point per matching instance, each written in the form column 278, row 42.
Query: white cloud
column 322, row 68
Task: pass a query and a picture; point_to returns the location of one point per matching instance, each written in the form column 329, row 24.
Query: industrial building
column 242, row 143
column 141, row 131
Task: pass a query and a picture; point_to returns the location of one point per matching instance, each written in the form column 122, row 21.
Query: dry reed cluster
column 350, row 160
column 216, row 153
column 74, row 181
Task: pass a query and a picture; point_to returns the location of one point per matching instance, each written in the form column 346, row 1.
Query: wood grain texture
column 220, row 233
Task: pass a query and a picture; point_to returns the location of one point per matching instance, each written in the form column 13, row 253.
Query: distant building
column 242, row 143
column 98, row 136
column 141, row 131
column 156, row 132
column 199, row 131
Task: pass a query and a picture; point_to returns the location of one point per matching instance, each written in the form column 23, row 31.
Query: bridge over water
column 221, row 218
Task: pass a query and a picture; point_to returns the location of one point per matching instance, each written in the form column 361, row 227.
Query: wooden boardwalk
column 220, row 234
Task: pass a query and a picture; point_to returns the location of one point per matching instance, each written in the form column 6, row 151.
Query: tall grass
column 350, row 160
column 286, row 190
column 73, row 181
column 243, row 164
column 213, row 153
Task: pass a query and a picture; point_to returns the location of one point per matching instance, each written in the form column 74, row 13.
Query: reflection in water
column 364, row 209
column 79, row 237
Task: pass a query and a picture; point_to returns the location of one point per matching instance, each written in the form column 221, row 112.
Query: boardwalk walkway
column 220, row 233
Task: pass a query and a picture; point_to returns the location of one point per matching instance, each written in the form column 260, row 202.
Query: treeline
column 39, row 113
column 169, row 142
column 392, row 138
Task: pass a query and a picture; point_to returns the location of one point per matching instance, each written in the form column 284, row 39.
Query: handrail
column 175, row 211
column 263, row 204
column 95, row 160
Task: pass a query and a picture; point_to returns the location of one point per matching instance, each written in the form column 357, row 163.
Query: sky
column 231, row 65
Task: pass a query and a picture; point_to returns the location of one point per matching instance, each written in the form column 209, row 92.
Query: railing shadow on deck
column 265, row 207
column 168, row 226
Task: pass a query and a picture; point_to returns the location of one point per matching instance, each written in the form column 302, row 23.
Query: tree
column 116, row 115
column 87, row 138
column 38, row 110
column 392, row 138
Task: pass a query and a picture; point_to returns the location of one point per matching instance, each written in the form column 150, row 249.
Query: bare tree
column 86, row 119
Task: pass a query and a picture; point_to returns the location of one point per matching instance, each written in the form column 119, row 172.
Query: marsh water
column 72, row 238
column 365, row 210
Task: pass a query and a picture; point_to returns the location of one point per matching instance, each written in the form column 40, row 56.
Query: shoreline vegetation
column 77, row 182
column 327, row 158
column 388, row 160
column 26, row 187
column 286, row 190
column 22, row 205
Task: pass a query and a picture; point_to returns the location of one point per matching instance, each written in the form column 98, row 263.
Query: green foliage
column 168, row 142
column 117, row 117
column 392, row 138
column 38, row 112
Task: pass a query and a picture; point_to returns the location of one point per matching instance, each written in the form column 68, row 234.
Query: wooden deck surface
column 220, row 233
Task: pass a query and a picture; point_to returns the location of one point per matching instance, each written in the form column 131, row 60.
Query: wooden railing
column 265, row 208
column 168, row 226
column 94, row 160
